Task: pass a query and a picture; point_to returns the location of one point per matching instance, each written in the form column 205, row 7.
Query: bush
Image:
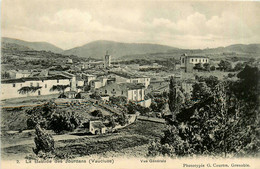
column 64, row 121
column 97, row 113
column 41, row 115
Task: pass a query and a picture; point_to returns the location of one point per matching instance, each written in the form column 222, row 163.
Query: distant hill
column 251, row 48
column 38, row 46
column 97, row 49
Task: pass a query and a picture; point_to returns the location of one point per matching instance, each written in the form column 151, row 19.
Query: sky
column 72, row 23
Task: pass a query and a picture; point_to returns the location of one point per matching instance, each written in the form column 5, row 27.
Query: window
column 183, row 60
column 206, row 60
column 105, row 91
column 38, row 84
column 39, row 92
column 203, row 60
column 200, row 61
column 42, row 80
column 14, row 85
column 113, row 90
column 196, row 60
column 31, row 84
column 191, row 60
column 122, row 92
column 58, row 81
column 45, row 85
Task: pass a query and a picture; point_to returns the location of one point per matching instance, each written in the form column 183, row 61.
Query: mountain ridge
column 97, row 49
column 38, row 46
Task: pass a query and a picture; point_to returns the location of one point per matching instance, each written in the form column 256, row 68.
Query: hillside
column 97, row 49
column 38, row 46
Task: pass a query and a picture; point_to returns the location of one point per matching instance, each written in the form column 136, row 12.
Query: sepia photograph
column 130, row 84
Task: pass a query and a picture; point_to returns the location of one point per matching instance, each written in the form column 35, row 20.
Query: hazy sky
column 71, row 23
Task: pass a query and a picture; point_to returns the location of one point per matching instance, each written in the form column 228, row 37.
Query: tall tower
column 107, row 62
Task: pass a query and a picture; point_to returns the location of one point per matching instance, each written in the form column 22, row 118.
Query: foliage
column 206, row 66
column 28, row 89
column 60, row 88
column 225, row 65
column 64, row 121
column 158, row 104
column 43, row 141
column 225, row 121
column 212, row 68
column 118, row 100
column 41, row 115
column 239, row 66
column 97, row 113
column 176, row 97
column 132, row 108
column 122, row 119
column 198, row 66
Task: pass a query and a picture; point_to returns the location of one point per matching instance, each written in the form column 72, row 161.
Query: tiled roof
column 97, row 124
column 197, row 57
column 132, row 86
column 126, row 75
column 24, row 79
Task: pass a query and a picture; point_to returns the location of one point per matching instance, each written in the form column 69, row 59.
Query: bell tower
column 107, row 62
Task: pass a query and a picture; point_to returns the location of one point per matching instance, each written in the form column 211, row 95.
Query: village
column 97, row 99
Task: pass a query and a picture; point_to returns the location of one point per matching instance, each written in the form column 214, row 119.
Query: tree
column 44, row 142
column 41, row 115
column 97, row 113
column 206, row 66
column 198, row 66
column 64, row 121
column 225, row 65
column 238, row 67
column 224, row 122
column 176, row 97
column 27, row 89
column 60, row 88
column 212, row 68
column 158, row 104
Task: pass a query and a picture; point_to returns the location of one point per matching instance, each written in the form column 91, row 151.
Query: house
column 133, row 92
column 188, row 62
column 19, row 74
column 97, row 127
column 42, row 86
column 121, row 77
column 88, row 77
column 99, row 82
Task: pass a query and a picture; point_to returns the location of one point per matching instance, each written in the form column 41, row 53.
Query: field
column 131, row 141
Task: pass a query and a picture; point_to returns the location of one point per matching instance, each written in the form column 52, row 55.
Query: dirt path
column 55, row 137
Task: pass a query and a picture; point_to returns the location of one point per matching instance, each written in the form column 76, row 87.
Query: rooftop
column 197, row 57
column 126, row 75
column 97, row 124
column 132, row 86
column 24, row 79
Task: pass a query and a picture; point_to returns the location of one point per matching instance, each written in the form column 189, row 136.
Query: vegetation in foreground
column 220, row 119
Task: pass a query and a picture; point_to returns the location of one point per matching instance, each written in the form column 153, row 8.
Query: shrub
column 64, row 121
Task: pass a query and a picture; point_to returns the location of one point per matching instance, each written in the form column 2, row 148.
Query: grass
column 130, row 141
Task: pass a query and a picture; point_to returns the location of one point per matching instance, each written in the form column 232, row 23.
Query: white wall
column 8, row 90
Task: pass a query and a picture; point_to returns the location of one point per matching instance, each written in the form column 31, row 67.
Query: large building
column 133, row 92
column 11, row 88
column 128, row 78
column 188, row 62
